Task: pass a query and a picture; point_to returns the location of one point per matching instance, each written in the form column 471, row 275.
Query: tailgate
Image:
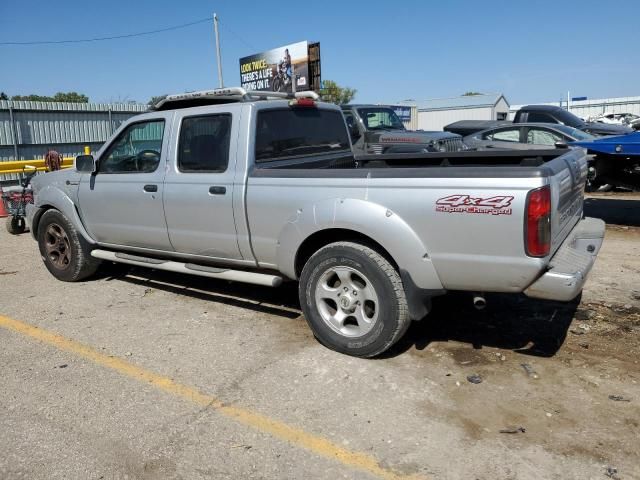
column 567, row 193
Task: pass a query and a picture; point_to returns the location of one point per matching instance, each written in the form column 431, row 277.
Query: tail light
column 302, row 102
column 538, row 222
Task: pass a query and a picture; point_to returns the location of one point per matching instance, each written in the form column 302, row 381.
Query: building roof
column 71, row 107
column 465, row 101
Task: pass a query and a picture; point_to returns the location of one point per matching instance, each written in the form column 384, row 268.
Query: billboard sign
column 274, row 69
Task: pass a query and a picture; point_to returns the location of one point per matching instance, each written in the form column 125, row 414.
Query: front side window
column 537, row 136
column 204, row 143
column 511, row 135
column 136, row 150
column 293, row 132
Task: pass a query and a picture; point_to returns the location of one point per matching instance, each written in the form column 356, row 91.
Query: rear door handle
column 216, row 190
column 151, row 188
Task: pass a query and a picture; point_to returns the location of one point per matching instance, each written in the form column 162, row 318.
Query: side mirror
column 561, row 144
column 85, row 164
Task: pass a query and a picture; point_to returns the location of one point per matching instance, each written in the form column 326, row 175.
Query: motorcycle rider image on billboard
column 274, row 70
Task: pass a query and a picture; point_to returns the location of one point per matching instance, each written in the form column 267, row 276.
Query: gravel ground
column 564, row 378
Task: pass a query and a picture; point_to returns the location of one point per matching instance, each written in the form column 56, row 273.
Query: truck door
column 198, row 195
column 121, row 204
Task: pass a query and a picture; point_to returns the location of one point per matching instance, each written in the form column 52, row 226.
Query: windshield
column 380, row 119
column 568, row 118
column 575, row 133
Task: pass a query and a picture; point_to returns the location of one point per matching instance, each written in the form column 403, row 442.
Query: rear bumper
column 569, row 267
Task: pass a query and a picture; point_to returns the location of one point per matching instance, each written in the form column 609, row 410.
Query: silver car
column 523, row 136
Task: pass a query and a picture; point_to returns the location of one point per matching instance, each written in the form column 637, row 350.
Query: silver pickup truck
column 232, row 185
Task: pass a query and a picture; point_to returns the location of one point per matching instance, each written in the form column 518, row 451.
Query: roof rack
column 225, row 95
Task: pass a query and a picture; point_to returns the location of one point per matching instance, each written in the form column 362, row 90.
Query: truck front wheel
column 65, row 254
column 353, row 299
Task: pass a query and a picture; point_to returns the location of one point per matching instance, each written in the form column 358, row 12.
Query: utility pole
column 293, row 79
column 215, row 27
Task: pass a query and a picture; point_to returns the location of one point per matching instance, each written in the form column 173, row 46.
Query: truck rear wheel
column 353, row 299
column 65, row 254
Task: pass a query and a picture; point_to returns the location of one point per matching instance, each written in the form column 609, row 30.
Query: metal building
column 589, row 109
column 28, row 129
column 436, row 113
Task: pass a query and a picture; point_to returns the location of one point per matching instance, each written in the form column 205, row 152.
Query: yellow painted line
column 296, row 436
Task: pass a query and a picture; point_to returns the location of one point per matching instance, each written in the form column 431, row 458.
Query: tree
column 333, row 93
column 32, row 98
column 156, row 99
column 471, row 94
column 69, row 97
column 4, row 96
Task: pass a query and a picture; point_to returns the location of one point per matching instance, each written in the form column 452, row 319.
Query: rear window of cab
column 292, row 132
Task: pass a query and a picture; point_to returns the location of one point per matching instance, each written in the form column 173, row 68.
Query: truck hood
column 605, row 128
column 407, row 136
column 623, row 145
column 58, row 178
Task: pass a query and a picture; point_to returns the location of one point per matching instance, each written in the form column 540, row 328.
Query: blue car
column 615, row 161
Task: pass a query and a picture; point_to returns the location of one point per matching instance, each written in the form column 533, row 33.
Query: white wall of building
column 501, row 107
column 413, row 123
column 437, row 119
column 595, row 107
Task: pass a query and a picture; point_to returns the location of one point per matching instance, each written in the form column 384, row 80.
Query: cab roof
column 225, row 95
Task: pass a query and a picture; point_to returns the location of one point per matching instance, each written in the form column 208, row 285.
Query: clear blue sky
column 388, row 50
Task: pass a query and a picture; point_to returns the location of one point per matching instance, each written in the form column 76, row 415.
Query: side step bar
column 190, row 268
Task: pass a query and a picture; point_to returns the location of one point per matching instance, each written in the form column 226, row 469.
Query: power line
column 113, row 37
column 224, row 25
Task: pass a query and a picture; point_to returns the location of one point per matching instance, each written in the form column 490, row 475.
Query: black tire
column 16, row 225
column 65, row 253
column 277, row 84
column 391, row 315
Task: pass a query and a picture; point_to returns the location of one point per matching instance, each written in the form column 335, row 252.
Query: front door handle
column 151, row 188
column 217, row 190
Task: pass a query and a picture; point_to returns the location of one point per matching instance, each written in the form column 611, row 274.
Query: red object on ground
column 3, row 211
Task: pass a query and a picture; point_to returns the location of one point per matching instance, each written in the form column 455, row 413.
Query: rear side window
column 294, row 132
column 204, row 143
column 510, row 135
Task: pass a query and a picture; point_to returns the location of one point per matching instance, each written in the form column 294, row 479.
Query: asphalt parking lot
column 142, row 375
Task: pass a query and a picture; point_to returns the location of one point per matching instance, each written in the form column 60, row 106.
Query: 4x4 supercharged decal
column 467, row 204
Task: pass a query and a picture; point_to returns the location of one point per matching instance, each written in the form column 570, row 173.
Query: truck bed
column 307, row 191
column 522, row 163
